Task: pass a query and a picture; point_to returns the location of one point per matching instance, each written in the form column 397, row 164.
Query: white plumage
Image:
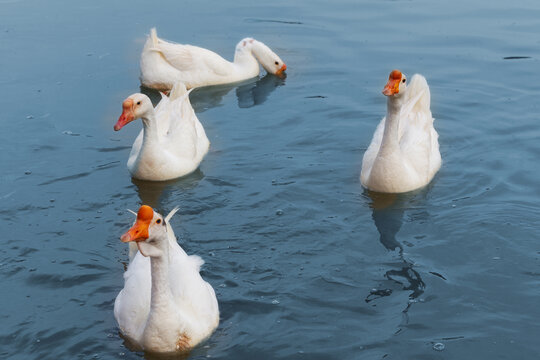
column 404, row 152
column 164, row 63
column 165, row 305
column 173, row 141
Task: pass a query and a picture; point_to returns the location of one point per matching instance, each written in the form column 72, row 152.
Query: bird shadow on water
column 388, row 212
column 249, row 93
column 152, row 193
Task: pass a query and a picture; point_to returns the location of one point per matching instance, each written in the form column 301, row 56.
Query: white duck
column 165, row 305
column 164, row 63
column 172, row 142
column 404, row 153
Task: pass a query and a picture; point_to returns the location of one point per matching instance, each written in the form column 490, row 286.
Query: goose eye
column 138, row 103
column 403, row 80
column 277, row 63
column 158, row 221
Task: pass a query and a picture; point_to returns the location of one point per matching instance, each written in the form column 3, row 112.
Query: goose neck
column 150, row 127
column 245, row 58
column 161, row 292
column 390, row 140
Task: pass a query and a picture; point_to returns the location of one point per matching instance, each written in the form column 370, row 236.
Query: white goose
column 165, row 305
column 172, row 142
column 164, row 63
column 404, row 153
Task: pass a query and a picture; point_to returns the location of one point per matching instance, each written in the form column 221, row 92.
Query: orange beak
column 392, row 86
column 127, row 115
column 281, row 70
column 139, row 230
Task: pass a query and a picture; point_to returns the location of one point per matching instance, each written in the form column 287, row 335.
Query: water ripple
column 54, row 281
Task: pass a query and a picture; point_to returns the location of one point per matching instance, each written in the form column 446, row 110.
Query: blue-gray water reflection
column 388, row 215
column 154, row 193
column 249, row 93
column 256, row 93
column 306, row 265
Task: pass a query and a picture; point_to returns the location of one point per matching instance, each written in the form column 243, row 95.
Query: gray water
column 305, row 263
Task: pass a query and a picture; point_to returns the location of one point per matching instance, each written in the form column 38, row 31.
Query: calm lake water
column 305, row 263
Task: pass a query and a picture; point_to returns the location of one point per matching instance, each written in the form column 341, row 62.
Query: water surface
column 305, row 263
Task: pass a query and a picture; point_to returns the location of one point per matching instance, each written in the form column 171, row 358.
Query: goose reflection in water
column 249, row 93
column 151, row 193
column 256, row 93
column 388, row 211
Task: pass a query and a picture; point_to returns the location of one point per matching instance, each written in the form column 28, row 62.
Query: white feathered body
column 180, row 145
column 189, row 318
column 163, row 63
column 412, row 161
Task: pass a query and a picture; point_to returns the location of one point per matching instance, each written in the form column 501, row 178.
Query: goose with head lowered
column 172, row 142
column 404, row 152
column 165, row 305
column 163, row 63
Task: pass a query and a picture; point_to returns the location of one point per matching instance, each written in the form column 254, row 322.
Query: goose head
column 149, row 232
column 134, row 107
column 396, row 85
column 268, row 59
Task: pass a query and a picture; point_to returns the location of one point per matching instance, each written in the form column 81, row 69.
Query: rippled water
column 305, row 263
